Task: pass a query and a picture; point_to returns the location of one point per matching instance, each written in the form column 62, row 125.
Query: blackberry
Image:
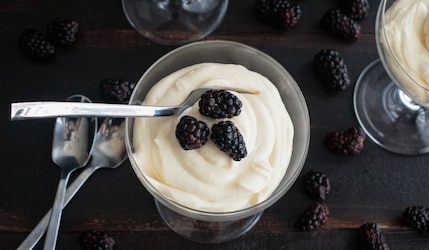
column 191, row 133
column 371, row 238
column 313, row 217
column 278, row 12
column 228, row 138
column 219, row 104
column 317, row 185
column 96, row 240
column 36, row 45
column 116, row 90
column 331, row 69
column 418, row 218
column 289, row 17
column 337, row 22
column 267, row 9
column 356, row 9
column 62, row 31
column 346, row 142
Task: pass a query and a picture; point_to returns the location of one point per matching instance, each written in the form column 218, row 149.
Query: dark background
column 374, row 186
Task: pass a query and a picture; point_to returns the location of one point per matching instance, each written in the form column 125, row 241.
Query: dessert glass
column 174, row 22
column 217, row 227
column 390, row 104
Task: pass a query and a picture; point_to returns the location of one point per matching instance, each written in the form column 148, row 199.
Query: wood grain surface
column 373, row 186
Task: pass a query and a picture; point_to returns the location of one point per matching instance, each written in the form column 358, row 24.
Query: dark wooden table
column 374, row 186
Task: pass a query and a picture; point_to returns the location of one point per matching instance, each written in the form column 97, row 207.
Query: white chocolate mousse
column 407, row 32
column 207, row 179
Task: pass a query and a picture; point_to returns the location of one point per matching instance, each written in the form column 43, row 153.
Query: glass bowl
column 175, row 22
column 390, row 100
column 404, row 76
column 217, row 227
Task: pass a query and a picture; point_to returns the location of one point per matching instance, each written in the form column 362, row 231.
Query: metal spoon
column 108, row 152
column 71, row 150
column 28, row 110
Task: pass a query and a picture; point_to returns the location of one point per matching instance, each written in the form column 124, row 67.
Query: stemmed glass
column 391, row 96
column 175, row 22
column 217, row 227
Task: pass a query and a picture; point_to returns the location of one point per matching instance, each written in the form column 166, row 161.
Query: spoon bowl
column 70, row 150
column 108, row 152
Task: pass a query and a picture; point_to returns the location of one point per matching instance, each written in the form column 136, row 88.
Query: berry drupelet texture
column 96, row 240
column 337, row 22
column 418, row 218
column 371, row 238
column 228, row 138
column 36, row 45
column 279, row 13
column 331, row 69
column 116, row 90
column 346, row 142
column 191, row 133
column 317, row 185
column 63, row 31
column 313, row 217
column 219, row 104
column 356, row 9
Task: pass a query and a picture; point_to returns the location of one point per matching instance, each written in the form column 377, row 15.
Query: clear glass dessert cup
column 175, row 22
column 390, row 104
column 218, row 227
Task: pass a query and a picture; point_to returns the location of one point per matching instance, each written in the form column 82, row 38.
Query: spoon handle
column 37, row 233
column 29, row 110
column 57, row 209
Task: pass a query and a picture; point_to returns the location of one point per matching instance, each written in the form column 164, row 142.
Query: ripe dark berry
column 418, row 218
column 116, row 90
column 289, row 17
column 371, row 238
column 228, row 138
column 356, row 9
column 95, row 240
column 331, row 69
column 36, row 45
column 346, row 142
column 63, row 31
column 191, row 133
column 219, row 104
column 313, row 217
column 278, row 12
column 317, row 185
column 337, row 22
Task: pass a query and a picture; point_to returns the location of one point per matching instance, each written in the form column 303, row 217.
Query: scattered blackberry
column 116, row 90
column 331, row 69
column 313, row 217
column 356, row 9
column 289, row 17
column 219, row 104
column 62, row 31
column 317, row 185
column 336, row 22
column 371, row 238
column 267, row 9
column 346, row 142
column 278, row 12
column 36, row 45
column 418, row 218
column 191, row 133
column 228, row 138
column 95, row 240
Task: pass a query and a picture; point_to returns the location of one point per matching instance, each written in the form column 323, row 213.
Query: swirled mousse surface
column 407, row 32
column 206, row 178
